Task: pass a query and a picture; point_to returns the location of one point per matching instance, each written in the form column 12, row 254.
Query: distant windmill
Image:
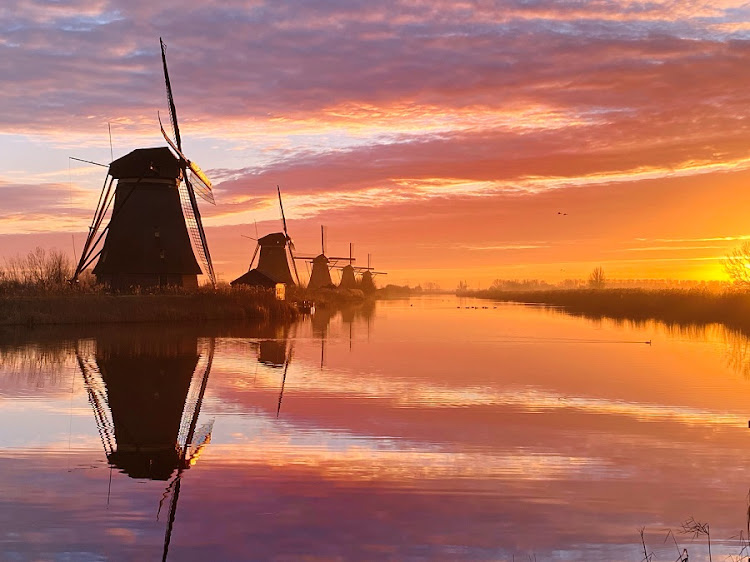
column 321, row 265
column 348, row 280
column 273, row 263
column 367, row 283
column 154, row 217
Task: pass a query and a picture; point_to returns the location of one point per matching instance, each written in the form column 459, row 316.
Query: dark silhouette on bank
column 147, row 240
column 273, row 264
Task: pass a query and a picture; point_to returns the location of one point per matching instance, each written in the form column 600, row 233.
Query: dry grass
column 203, row 305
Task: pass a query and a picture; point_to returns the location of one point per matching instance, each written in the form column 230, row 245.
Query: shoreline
column 671, row 306
column 71, row 308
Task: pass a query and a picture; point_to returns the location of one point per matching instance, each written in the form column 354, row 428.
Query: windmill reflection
column 274, row 346
column 146, row 391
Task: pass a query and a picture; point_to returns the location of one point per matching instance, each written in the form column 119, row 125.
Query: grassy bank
column 327, row 297
column 693, row 306
column 201, row 306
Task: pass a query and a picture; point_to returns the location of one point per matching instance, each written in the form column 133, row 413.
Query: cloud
column 41, row 207
column 391, row 106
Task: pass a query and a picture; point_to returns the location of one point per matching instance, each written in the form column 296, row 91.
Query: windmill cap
column 273, row 239
column 146, row 163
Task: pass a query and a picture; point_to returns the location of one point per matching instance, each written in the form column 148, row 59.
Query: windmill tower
column 367, row 282
column 273, row 264
column 321, row 265
column 147, row 241
column 348, row 281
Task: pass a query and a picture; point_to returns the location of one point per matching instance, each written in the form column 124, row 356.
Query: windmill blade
column 283, row 218
column 192, row 213
column 281, row 392
column 255, row 253
column 288, row 238
column 170, row 98
column 195, row 227
column 203, row 185
column 294, row 265
column 288, row 359
column 294, row 262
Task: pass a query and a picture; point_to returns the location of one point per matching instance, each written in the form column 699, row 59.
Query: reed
column 168, row 306
column 692, row 306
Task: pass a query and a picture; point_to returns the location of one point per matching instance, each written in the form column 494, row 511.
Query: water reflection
column 392, row 432
column 146, row 391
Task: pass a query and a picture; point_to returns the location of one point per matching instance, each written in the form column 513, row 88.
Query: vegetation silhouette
column 671, row 306
column 737, row 265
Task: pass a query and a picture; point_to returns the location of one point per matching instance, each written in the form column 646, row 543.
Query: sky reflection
column 383, row 445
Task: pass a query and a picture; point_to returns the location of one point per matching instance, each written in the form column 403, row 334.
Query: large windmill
column 155, row 214
column 273, row 263
column 321, row 265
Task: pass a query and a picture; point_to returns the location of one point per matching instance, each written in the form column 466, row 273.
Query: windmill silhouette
column 147, row 241
column 367, row 282
column 321, row 265
column 348, row 280
column 273, row 263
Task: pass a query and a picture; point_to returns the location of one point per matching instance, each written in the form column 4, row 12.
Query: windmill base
column 129, row 281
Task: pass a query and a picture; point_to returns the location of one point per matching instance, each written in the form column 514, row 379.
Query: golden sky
column 450, row 140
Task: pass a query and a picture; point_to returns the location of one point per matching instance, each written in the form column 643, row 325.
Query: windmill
column 154, row 215
column 273, row 263
column 321, row 265
column 348, row 281
column 367, row 283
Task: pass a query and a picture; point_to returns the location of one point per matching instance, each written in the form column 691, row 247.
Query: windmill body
column 273, row 258
column 273, row 266
column 147, row 242
column 348, row 280
column 321, row 274
column 367, row 284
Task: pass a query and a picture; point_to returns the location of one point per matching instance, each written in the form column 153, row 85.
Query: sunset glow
column 441, row 137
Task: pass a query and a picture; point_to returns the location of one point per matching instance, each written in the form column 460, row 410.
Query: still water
column 422, row 429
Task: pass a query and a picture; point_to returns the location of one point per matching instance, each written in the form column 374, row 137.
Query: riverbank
column 693, row 306
column 173, row 308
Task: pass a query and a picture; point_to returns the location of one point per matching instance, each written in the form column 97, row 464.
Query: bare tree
column 737, row 265
column 39, row 268
column 597, row 279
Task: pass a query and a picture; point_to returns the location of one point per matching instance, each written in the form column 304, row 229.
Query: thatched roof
column 255, row 278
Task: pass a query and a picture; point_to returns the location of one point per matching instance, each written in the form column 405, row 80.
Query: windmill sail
column 195, row 224
column 288, row 238
column 196, row 176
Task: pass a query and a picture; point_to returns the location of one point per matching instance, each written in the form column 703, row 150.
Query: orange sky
column 442, row 137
